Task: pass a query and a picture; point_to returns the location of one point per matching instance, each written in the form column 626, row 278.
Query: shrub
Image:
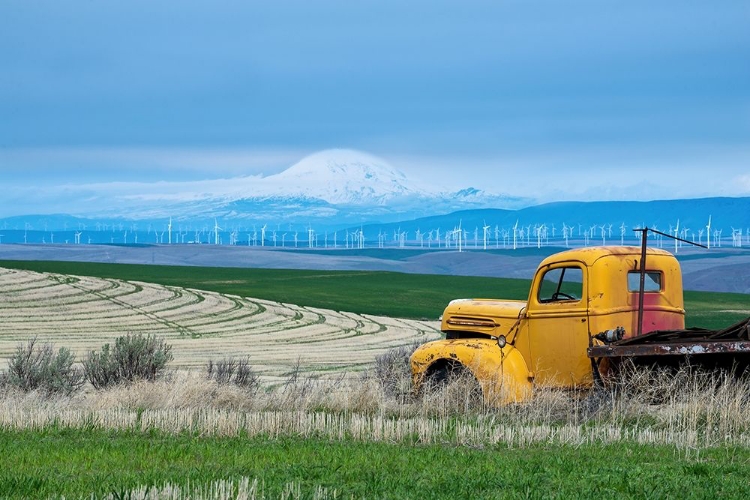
column 37, row 367
column 133, row 357
column 393, row 372
column 233, row 370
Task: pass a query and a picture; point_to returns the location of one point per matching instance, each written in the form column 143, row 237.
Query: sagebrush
column 36, row 366
column 393, row 371
column 133, row 357
column 231, row 370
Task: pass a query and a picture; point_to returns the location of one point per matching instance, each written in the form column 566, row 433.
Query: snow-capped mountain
column 345, row 177
column 335, row 186
column 354, row 186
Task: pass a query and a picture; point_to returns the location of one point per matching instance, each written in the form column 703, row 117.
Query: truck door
column 558, row 326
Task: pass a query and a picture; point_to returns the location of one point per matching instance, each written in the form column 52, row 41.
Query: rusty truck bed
column 731, row 342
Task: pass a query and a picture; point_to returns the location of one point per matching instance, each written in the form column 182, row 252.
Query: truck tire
column 453, row 377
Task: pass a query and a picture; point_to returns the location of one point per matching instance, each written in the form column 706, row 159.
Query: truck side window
column 560, row 284
column 652, row 283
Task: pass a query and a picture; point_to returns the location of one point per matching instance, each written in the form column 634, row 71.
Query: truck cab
column 512, row 346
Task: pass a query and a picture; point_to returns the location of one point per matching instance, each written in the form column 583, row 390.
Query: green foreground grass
column 79, row 463
column 363, row 292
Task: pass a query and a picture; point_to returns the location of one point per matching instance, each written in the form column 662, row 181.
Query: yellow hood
column 486, row 316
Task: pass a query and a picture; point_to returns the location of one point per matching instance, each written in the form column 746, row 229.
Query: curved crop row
column 83, row 313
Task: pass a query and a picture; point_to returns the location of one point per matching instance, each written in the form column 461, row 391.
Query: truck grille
column 464, row 321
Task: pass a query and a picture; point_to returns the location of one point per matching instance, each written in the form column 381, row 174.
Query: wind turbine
column 216, row 231
column 263, row 235
column 460, row 234
column 659, row 237
column 708, row 234
column 515, row 233
column 676, row 234
column 739, row 237
column 622, row 234
column 169, row 228
column 486, row 230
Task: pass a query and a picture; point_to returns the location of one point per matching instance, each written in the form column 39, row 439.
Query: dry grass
column 687, row 410
column 242, row 489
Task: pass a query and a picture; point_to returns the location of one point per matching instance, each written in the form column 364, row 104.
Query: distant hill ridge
column 691, row 214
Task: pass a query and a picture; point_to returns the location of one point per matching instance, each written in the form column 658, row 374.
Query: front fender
column 502, row 373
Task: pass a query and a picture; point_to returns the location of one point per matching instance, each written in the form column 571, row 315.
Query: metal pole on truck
column 644, row 240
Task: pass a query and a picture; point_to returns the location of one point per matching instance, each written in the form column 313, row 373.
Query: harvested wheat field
column 84, row 313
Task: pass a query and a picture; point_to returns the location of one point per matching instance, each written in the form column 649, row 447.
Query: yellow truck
column 587, row 310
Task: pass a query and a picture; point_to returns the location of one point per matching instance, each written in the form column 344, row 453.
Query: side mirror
column 501, row 341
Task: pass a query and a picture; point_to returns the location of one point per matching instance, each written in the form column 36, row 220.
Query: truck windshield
column 562, row 283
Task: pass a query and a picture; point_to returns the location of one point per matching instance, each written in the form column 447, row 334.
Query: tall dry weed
column 242, row 489
column 685, row 408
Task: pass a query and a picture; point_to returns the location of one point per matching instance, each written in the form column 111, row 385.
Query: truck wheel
column 455, row 381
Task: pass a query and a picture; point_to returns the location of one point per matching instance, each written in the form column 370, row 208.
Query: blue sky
column 576, row 99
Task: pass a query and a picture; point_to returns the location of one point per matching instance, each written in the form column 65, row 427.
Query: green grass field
column 77, row 464
column 363, row 292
